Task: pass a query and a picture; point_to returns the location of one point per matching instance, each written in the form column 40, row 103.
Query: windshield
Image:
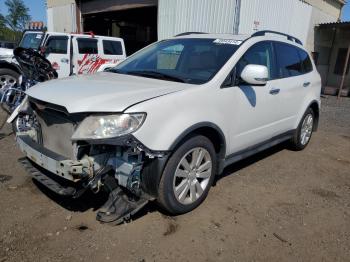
column 31, row 40
column 188, row 60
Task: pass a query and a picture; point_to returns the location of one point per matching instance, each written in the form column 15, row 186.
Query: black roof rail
column 190, row 33
column 289, row 37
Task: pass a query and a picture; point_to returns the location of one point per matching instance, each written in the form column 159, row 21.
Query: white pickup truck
column 69, row 54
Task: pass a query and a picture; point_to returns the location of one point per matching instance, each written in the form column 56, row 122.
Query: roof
column 266, row 34
column 335, row 25
column 213, row 36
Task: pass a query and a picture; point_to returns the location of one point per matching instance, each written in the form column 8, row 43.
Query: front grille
column 56, row 132
column 56, row 128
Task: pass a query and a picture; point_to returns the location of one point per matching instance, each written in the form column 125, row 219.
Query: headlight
column 108, row 126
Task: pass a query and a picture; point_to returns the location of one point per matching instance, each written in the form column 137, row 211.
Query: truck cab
column 82, row 53
column 69, row 53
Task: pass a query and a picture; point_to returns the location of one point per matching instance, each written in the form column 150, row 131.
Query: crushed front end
column 72, row 153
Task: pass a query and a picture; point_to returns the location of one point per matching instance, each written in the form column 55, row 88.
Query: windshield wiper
column 157, row 75
column 114, row 70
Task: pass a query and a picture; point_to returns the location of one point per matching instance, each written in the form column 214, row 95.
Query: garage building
column 140, row 22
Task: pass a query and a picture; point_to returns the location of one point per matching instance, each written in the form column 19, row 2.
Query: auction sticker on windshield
column 227, row 42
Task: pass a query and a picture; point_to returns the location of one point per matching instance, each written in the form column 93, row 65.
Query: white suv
column 163, row 123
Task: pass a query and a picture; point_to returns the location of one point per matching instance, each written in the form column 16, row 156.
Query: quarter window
column 57, row 45
column 258, row 54
column 288, row 60
column 305, row 61
column 112, row 47
column 87, row 46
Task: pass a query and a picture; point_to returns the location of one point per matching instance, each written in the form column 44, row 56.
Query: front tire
column 304, row 131
column 188, row 176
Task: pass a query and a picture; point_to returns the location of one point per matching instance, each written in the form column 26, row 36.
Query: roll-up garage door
column 98, row 6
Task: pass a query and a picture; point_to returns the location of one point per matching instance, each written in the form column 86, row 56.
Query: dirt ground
column 277, row 206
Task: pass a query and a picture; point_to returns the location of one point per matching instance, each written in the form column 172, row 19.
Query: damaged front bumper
column 56, row 164
column 121, row 166
column 131, row 168
column 71, row 178
column 62, row 176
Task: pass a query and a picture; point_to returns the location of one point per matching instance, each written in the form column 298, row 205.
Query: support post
column 344, row 72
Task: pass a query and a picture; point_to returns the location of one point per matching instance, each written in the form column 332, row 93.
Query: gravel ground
column 335, row 114
column 279, row 205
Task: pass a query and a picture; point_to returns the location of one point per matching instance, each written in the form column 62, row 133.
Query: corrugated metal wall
column 62, row 18
column 226, row 16
column 317, row 17
column 288, row 16
column 178, row 16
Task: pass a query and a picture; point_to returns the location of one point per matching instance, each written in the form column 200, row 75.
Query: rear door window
column 87, row 46
column 57, row 45
column 112, row 47
column 288, row 60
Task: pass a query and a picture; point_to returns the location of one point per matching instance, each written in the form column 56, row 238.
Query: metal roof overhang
column 340, row 25
column 98, row 6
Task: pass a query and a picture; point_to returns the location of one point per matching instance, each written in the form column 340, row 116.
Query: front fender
column 172, row 117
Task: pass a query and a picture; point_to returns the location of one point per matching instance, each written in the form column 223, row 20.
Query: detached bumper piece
column 46, row 181
column 120, row 207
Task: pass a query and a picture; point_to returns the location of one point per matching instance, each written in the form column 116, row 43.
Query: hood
column 102, row 92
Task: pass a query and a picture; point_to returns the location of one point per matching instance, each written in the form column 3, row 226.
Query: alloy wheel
column 192, row 175
column 306, row 129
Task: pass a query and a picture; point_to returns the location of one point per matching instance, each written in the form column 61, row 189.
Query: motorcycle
column 34, row 68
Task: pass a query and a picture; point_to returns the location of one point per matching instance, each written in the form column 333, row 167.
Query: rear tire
column 188, row 176
column 303, row 133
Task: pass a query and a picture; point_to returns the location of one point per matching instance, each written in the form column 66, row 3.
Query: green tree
column 18, row 15
column 2, row 22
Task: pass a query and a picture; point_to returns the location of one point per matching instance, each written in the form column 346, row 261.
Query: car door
column 86, row 55
column 255, row 106
column 291, row 81
column 113, row 50
column 57, row 51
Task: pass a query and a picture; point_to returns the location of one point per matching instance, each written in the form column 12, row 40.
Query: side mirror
column 255, row 74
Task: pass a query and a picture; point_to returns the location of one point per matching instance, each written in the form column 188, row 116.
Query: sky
column 37, row 9
column 346, row 12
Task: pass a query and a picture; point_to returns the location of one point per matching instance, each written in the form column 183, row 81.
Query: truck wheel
column 8, row 78
column 304, row 131
column 188, row 176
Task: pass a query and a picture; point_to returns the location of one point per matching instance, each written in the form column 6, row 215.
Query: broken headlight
column 108, row 126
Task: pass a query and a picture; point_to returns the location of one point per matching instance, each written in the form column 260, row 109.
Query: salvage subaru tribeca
column 163, row 123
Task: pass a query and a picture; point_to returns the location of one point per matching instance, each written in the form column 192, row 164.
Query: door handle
column 274, row 91
column 65, row 60
column 306, row 84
